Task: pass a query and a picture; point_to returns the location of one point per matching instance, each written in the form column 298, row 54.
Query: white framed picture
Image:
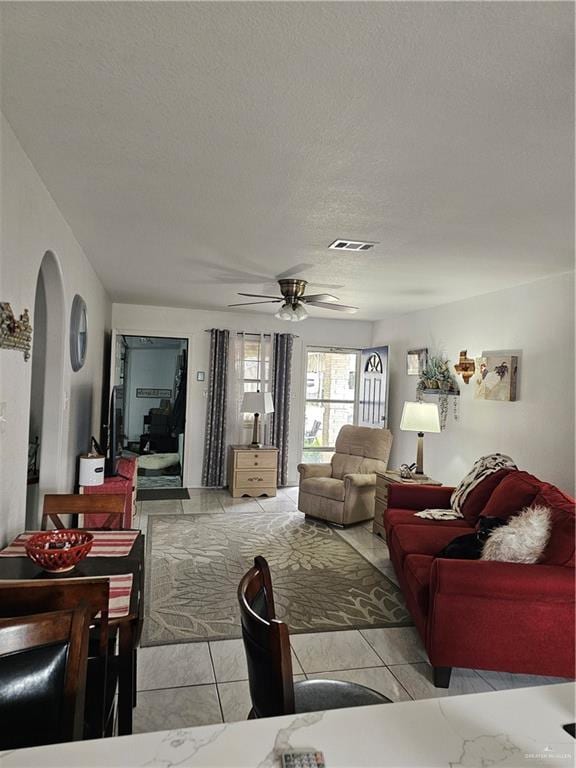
column 415, row 361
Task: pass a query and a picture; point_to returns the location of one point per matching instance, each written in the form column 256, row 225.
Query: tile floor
column 200, row 683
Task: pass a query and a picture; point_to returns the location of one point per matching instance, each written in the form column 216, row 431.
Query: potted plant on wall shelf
column 437, row 379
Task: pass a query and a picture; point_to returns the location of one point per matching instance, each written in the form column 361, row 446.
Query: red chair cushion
column 417, row 570
column 560, row 548
column 479, row 496
column 515, row 491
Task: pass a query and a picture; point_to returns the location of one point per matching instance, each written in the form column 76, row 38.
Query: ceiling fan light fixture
column 299, row 312
column 292, row 312
column 284, row 313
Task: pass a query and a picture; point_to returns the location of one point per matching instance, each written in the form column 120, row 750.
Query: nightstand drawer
column 262, row 459
column 255, row 478
column 381, row 489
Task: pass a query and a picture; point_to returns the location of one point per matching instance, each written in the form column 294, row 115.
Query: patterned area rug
column 321, row 583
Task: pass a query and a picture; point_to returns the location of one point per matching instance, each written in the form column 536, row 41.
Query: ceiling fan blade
column 226, row 274
column 320, row 297
column 337, row 307
column 251, row 303
column 330, row 286
column 293, row 271
column 261, row 296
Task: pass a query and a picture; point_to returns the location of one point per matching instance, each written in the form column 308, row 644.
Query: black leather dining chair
column 267, row 646
column 43, row 660
column 31, row 596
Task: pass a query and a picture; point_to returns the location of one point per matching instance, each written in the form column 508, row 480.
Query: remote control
column 303, row 758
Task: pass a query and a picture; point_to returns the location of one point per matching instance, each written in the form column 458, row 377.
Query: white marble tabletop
column 521, row 727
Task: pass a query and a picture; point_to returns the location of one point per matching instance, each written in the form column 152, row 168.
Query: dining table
column 119, row 555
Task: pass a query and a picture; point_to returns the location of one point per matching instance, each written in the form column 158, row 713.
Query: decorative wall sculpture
column 15, row 334
column 465, row 366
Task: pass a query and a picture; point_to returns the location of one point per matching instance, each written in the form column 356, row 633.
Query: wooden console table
column 252, row 471
column 383, row 481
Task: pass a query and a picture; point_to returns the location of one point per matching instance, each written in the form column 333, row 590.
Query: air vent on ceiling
column 351, row 245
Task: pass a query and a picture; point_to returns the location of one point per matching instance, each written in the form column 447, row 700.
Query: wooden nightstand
column 383, row 481
column 252, row 471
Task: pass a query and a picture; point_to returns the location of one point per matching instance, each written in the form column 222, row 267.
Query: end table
column 252, row 471
column 383, row 481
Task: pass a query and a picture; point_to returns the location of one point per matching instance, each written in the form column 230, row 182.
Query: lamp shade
column 420, row 417
column 257, row 402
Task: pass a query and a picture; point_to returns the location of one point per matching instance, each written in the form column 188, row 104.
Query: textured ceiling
column 186, row 143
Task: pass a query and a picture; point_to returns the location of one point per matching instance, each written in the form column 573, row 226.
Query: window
column 331, row 399
column 251, row 370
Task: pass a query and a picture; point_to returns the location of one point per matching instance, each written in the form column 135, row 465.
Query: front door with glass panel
column 373, row 391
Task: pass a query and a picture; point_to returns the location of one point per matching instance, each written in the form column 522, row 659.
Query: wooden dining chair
column 109, row 509
column 43, row 660
column 23, row 598
column 267, row 646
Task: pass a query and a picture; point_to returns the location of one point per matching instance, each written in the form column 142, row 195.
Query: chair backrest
column 109, row 504
column 23, row 598
column 267, row 645
column 361, row 450
column 43, row 661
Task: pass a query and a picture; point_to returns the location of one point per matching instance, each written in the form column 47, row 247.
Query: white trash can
column 91, row 470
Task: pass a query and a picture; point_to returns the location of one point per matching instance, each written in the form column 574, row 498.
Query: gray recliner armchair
column 343, row 491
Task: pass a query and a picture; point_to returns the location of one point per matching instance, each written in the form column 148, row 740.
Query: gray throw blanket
column 484, row 466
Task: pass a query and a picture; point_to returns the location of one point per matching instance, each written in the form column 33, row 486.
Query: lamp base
column 255, row 432
column 420, row 455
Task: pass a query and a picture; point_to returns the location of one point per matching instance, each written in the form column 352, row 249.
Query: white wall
column 535, row 320
column 191, row 324
column 30, row 225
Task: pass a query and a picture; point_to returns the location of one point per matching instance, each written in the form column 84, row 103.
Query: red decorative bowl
column 59, row 551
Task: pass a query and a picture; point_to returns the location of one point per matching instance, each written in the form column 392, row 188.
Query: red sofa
column 486, row 615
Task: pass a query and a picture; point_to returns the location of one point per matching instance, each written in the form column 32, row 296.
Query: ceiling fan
column 294, row 301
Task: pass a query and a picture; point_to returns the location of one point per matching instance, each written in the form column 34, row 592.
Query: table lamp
column 257, row 403
column 420, row 417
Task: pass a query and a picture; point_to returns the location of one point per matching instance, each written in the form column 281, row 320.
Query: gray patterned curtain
column 280, row 421
column 214, row 465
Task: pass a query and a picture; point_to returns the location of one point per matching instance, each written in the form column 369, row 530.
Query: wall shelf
column 439, row 392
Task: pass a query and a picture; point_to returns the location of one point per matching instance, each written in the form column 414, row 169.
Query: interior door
column 373, row 392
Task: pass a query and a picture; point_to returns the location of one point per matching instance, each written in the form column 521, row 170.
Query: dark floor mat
column 160, row 494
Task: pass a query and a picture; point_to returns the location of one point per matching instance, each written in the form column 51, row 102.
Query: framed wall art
column 154, row 392
column 496, row 377
column 416, row 361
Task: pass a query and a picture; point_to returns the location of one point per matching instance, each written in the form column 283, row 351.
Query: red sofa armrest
column 419, row 497
column 491, row 579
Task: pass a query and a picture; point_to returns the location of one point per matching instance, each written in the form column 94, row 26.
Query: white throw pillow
column 522, row 540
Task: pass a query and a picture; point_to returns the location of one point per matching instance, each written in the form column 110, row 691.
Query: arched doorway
column 47, row 385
